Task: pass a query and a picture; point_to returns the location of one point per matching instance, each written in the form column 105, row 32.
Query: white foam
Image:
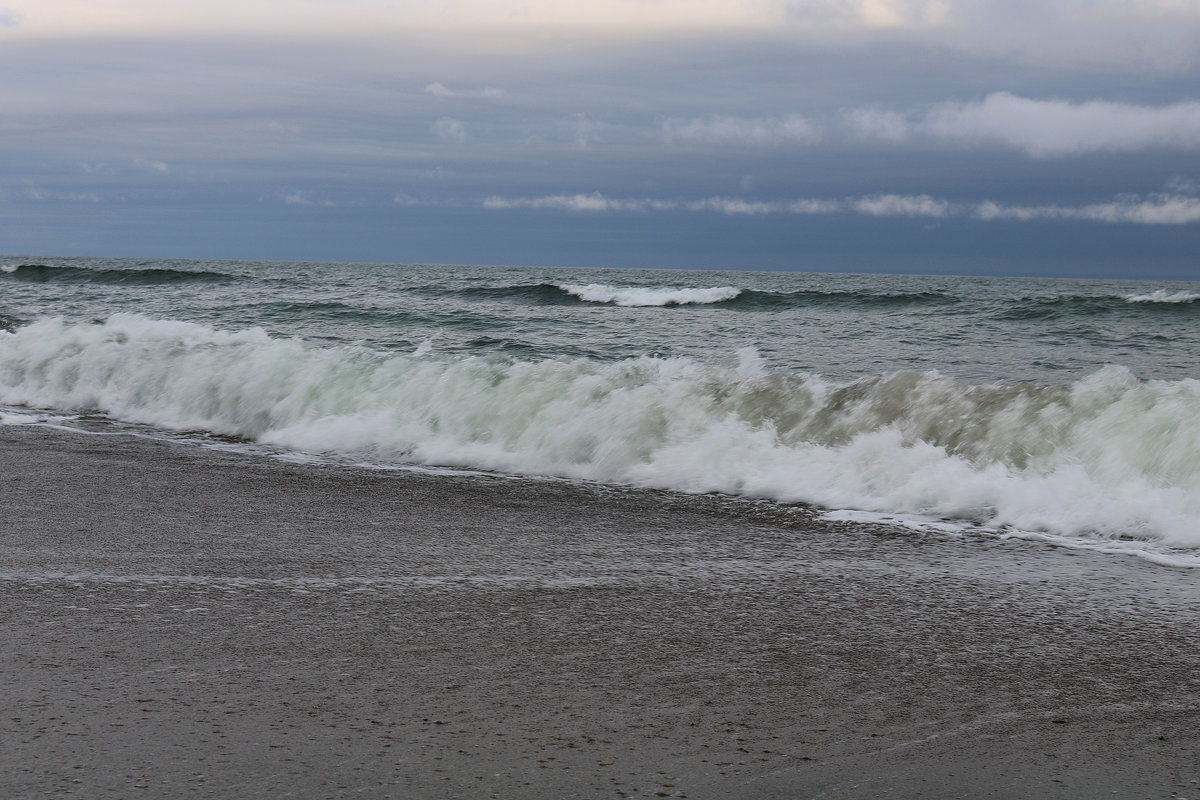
column 19, row 419
column 10, row 416
column 1107, row 458
column 1163, row 296
column 649, row 296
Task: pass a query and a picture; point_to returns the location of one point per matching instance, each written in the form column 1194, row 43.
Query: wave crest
column 649, row 296
column 44, row 273
column 1163, row 296
column 1109, row 455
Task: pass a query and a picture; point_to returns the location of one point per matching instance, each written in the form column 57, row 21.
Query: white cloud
column 440, row 90
column 1046, row 128
column 449, row 129
column 1038, row 128
column 895, row 205
column 1156, row 210
column 812, row 206
column 743, row 131
column 734, row 206
column 10, row 19
column 579, row 203
column 1161, row 209
column 301, row 198
column 35, row 192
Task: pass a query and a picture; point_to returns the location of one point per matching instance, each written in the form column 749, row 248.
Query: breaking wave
column 724, row 296
column 1163, row 296
column 649, row 296
column 1107, row 457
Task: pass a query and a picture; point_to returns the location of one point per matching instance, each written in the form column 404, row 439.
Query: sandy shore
column 183, row 622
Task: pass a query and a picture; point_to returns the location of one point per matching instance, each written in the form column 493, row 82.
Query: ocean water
column 1063, row 410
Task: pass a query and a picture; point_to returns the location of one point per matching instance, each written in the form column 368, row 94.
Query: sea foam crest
column 649, row 296
column 1163, row 296
column 1109, row 456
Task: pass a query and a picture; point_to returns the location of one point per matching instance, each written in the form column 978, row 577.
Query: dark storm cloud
column 902, row 128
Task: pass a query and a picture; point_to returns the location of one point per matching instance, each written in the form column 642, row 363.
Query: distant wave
column 1159, row 301
column 754, row 300
column 1107, row 457
column 746, row 299
column 43, row 273
column 664, row 296
column 649, row 296
column 1163, row 296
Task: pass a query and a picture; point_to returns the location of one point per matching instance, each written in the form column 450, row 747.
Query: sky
column 1058, row 137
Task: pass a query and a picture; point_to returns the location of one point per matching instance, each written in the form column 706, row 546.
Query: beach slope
column 179, row 621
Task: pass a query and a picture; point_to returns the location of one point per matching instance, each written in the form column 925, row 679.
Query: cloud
column 1159, row 209
column 895, row 205
column 449, row 129
column 593, row 202
column 35, row 192
column 731, row 206
column 1178, row 184
column 1038, row 128
column 743, row 131
column 10, row 19
column 811, row 206
column 876, row 124
column 734, row 206
column 301, row 198
column 586, row 130
column 1047, row 128
column 157, row 167
column 440, row 90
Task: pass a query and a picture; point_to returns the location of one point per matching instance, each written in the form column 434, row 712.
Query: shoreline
column 190, row 622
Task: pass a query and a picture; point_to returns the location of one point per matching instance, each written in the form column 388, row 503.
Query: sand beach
column 180, row 621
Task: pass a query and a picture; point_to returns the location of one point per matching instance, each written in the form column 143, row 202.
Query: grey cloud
column 727, row 130
column 449, row 129
column 1038, row 128
column 150, row 165
column 302, row 198
column 10, row 19
column 441, row 90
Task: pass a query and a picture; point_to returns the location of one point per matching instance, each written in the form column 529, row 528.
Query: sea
column 1061, row 411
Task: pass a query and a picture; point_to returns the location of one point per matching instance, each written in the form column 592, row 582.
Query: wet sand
column 185, row 622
